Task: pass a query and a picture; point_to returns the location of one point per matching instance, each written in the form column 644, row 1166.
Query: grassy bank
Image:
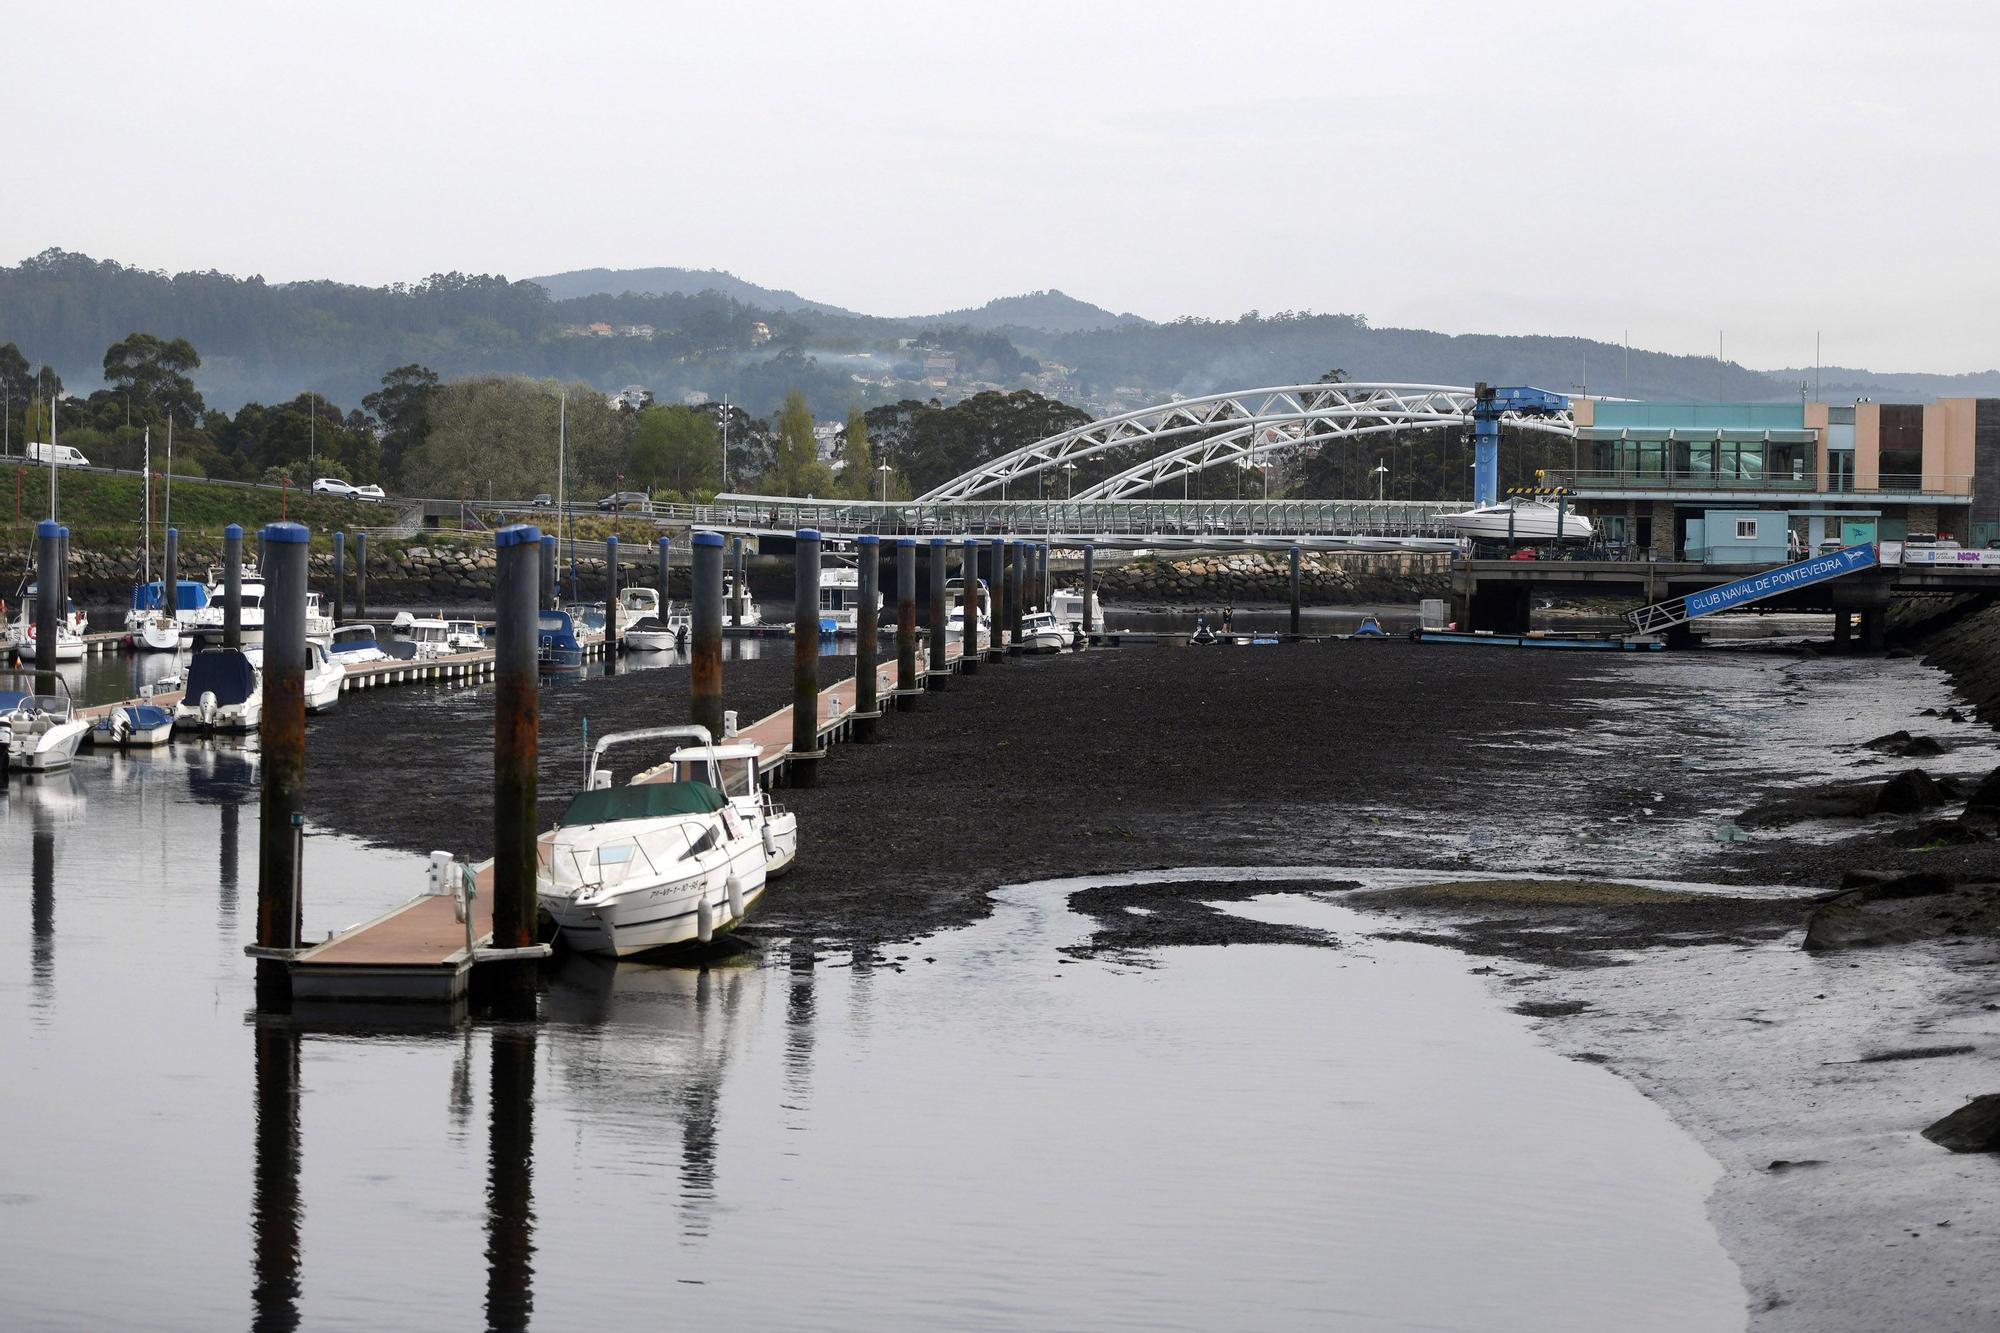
column 103, row 511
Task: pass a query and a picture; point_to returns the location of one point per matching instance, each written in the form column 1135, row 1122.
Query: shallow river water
column 977, row 1134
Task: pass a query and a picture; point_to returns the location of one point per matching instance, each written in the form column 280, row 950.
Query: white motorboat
column 224, row 693
column 733, row 769
column 134, row 726
column 587, row 623
column 1066, row 605
column 152, row 625
column 319, row 625
column 638, row 603
column 69, row 641
column 1041, row 634
column 208, row 620
column 652, row 865
column 324, row 674
column 354, row 644
column 430, row 636
column 463, row 636
column 650, row 634
column 954, row 593
column 39, row 733
column 1520, row 521
column 751, row 615
column 839, row 599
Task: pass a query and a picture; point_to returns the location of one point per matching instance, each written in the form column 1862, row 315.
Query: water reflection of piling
column 1089, row 582
column 799, row 1025
column 274, row 1180
column 48, row 600
column 906, row 623
column 517, row 724
column 232, row 587
column 226, row 873
column 282, row 742
column 611, row 605
column 939, row 675
column 996, row 581
column 803, row 765
column 510, row 1200
column 700, row 1106
column 42, row 905
column 705, row 670
column 867, row 637
column 968, row 577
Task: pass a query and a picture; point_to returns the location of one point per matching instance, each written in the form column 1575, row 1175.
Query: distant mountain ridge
column 676, row 282
column 1051, row 311
column 1838, row 383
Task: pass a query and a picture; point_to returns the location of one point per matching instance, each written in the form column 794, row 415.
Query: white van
column 63, row 455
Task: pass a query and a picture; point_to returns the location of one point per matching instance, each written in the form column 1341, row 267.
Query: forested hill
column 674, row 282
column 269, row 342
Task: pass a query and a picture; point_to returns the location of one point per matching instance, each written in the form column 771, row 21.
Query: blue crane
column 1488, row 406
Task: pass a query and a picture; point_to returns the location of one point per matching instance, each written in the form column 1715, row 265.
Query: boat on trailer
column 1521, row 521
column 648, row 866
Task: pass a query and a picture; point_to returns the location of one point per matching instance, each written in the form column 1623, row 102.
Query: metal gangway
column 1752, row 588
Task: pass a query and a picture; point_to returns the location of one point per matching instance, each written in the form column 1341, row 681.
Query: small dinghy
column 1370, row 628
column 134, row 726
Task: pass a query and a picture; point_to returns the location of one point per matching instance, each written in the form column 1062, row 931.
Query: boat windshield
column 645, row 800
column 610, row 862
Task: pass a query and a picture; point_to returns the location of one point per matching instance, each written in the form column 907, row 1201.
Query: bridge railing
column 1177, row 518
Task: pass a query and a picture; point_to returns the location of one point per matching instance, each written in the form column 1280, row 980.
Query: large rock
column 1973, row 1127
column 1910, row 791
column 1903, row 745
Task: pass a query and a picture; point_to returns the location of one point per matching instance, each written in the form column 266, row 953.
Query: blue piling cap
column 867, row 539
column 171, row 532
column 906, row 541
column 291, row 534
column 339, row 536
column 612, row 540
column 48, row 527
column 666, row 541
column 234, row 530
column 548, row 539
column 708, row 539
column 940, row 541
column 807, row 534
column 63, row 532
column 999, row 541
column 517, row 534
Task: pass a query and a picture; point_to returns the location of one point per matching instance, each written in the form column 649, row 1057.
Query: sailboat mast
column 146, row 560
column 562, row 495
column 167, row 513
column 52, row 458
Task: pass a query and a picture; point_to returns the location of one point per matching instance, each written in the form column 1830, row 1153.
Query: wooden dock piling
column 705, row 668
column 939, row 674
column 805, row 657
column 611, row 605
column 968, row 577
column 232, row 585
column 282, row 742
column 867, row 637
column 517, row 722
column 906, row 624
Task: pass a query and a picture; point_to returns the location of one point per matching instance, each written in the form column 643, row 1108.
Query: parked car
column 622, row 500
column 371, row 493
column 331, row 486
column 544, row 501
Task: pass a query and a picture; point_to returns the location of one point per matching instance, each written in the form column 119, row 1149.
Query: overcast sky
column 1760, row 170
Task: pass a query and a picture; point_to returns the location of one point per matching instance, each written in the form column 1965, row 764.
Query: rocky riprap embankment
column 1266, row 577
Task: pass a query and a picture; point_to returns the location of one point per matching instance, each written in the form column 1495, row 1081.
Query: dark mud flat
column 1138, row 758
column 412, row 766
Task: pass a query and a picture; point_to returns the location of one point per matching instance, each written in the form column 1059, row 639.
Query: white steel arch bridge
column 1190, row 435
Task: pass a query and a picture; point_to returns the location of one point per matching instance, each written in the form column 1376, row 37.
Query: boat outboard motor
column 121, row 726
column 208, row 707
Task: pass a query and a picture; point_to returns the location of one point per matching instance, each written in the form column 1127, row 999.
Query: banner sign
column 1804, row 574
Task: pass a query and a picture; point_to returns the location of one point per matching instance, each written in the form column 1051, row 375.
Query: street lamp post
column 1069, row 481
column 1381, row 476
column 885, row 470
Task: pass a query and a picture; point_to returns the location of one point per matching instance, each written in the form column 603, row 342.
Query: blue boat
column 1370, row 628
column 131, row 725
column 556, row 646
column 1576, row 643
column 188, row 595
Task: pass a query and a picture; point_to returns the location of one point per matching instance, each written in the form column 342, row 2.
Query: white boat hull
column 46, row 751
column 226, row 718
column 1048, row 640
column 783, row 848
column 664, row 915
column 650, row 641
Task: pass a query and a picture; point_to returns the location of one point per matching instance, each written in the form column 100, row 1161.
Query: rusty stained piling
column 546, row 578
column 736, row 582
column 906, row 624
column 517, row 727
column 867, row 637
column 803, row 765
column 170, row 575
column 48, row 602
column 62, row 569
column 1294, row 556
column 361, row 576
column 665, row 547
column 939, row 675
column 705, row 670
column 339, row 577
column 1089, row 582
column 611, row 605
column 281, row 738
column 232, row 587
column 996, row 588
column 968, row 577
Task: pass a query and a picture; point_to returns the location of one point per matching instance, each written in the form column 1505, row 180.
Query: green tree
column 796, row 470
column 675, row 449
column 403, row 406
column 155, row 373
column 495, row 437
column 17, row 384
column 857, row 461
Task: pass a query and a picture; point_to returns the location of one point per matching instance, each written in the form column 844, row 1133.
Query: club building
column 1710, row 481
